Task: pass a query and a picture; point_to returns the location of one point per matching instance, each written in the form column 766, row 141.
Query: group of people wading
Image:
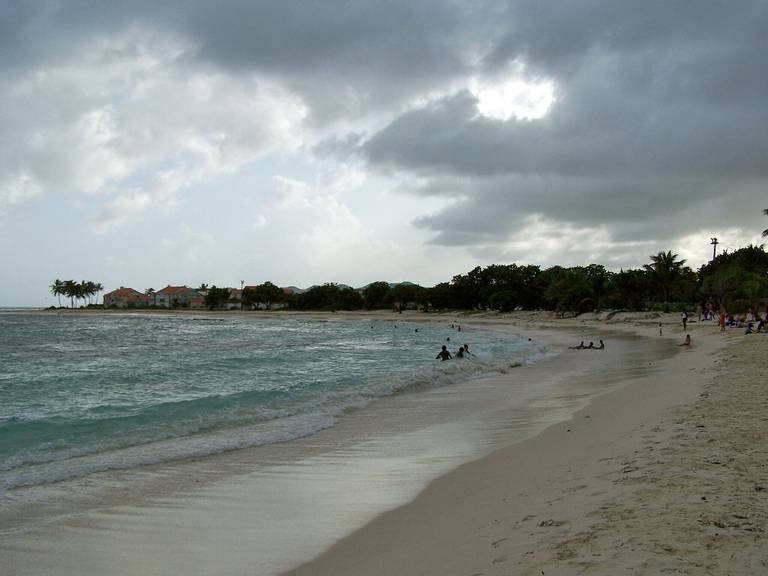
column 462, row 352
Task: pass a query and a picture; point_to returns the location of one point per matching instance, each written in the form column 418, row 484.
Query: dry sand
column 666, row 475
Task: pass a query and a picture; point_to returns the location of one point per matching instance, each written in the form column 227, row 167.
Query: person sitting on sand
column 579, row 347
column 749, row 329
column 444, row 354
column 687, row 341
column 602, row 346
column 591, row 346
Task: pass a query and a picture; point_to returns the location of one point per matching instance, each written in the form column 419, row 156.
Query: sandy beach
column 665, row 472
column 666, row 475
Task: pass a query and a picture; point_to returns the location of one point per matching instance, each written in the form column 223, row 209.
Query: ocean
column 86, row 393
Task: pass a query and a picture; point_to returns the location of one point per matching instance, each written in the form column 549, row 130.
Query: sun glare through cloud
column 513, row 95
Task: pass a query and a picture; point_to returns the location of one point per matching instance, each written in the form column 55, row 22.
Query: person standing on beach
column 684, row 316
column 722, row 319
column 444, row 354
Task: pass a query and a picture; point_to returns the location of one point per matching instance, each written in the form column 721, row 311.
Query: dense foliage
column 84, row 290
column 737, row 280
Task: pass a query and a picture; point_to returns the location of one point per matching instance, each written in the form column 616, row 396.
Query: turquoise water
column 80, row 394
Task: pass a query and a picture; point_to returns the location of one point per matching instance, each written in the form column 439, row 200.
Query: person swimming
column 460, row 352
column 444, row 354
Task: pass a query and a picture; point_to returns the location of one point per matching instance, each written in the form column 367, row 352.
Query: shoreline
column 637, row 481
column 198, row 471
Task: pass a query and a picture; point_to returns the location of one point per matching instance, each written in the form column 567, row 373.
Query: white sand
column 667, row 475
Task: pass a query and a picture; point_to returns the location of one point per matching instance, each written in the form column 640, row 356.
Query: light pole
column 714, row 247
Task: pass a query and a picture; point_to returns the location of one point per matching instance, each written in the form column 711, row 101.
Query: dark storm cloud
column 660, row 127
column 343, row 57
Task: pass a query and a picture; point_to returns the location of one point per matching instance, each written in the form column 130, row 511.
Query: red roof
column 122, row 293
column 173, row 290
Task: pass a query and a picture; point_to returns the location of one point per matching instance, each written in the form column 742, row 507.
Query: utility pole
column 714, row 247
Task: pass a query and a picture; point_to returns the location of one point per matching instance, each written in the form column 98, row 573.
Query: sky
column 147, row 143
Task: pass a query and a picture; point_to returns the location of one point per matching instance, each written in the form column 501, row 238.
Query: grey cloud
column 661, row 105
column 660, row 128
column 344, row 58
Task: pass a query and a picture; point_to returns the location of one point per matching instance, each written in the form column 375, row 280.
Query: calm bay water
column 80, row 394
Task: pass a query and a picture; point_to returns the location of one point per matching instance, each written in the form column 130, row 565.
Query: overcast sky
column 144, row 143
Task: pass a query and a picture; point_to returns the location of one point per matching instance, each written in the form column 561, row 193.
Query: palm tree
column 765, row 232
column 665, row 269
column 150, row 292
column 70, row 290
column 89, row 290
column 57, row 289
column 98, row 287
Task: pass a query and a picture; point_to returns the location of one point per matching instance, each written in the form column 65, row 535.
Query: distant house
column 125, row 298
column 197, row 302
column 235, row 301
column 177, row 296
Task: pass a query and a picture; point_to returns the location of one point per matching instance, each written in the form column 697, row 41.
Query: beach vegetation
column 738, row 280
column 57, row 289
column 263, row 295
column 216, row 297
column 328, row 297
column 375, row 295
column 666, row 272
column 405, row 295
column 76, row 291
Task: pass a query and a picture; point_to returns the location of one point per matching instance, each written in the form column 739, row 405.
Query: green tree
column 266, row 293
column 599, row 280
column 737, row 279
column 57, row 289
column 70, row 291
column 629, row 289
column 375, row 294
column 216, row 297
column 99, row 287
column 441, row 296
column 568, row 289
column 665, row 270
column 403, row 294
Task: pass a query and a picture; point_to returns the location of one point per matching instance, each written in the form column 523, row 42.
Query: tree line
column 737, row 280
column 73, row 290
